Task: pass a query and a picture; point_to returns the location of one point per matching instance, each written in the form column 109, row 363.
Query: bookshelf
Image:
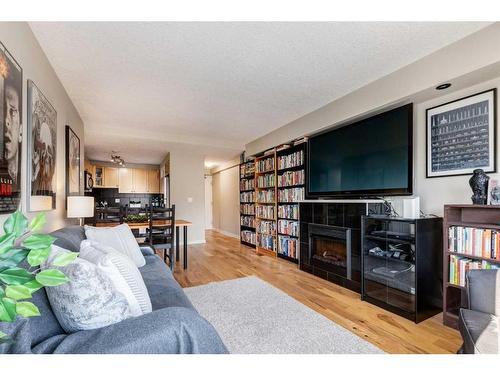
column 291, row 179
column 247, row 203
column 475, row 246
column 265, row 203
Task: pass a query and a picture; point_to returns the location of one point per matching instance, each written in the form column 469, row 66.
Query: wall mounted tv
column 371, row 157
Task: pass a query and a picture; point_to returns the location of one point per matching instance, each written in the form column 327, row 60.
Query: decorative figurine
column 479, row 184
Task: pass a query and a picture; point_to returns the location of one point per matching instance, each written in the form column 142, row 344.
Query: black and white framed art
column 72, row 162
column 42, row 151
column 11, row 109
column 461, row 136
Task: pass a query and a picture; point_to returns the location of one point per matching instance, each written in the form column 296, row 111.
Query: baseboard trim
column 229, row 234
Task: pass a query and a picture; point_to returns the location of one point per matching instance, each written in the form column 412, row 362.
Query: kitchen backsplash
column 111, row 196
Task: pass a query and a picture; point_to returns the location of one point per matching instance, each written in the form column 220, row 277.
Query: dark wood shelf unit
column 244, row 175
column 463, row 215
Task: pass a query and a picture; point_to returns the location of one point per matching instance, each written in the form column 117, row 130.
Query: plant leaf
column 38, row 222
column 51, row 278
column 6, row 242
column 17, row 292
column 2, row 293
column 16, row 224
column 33, row 286
column 4, row 338
column 15, row 276
column 13, row 257
column 9, row 306
column 27, row 309
column 64, row 259
column 38, row 256
column 38, row 241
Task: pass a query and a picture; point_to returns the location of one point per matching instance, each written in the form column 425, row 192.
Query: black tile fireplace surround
column 330, row 238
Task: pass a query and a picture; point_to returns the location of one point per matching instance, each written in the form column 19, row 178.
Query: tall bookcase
column 247, row 203
column 467, row 248
column 265, row 203
column 291, row 179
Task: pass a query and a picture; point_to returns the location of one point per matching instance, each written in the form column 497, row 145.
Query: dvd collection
column 247, row 184
column 247, row 221
column 288, row 211
column 247, row 169
column 247, row 209
column 290, row 228
column 248, row 236
column 460, row 265
column 293, row 160
column 266, row 227
column 266, row 196
column 265, row 165
column 247, row 197
column 291, row 178
column 265, row 212
column 265, row 181
column 477, row 242
column 266, row 241
column 291, row 195
column 287, row 246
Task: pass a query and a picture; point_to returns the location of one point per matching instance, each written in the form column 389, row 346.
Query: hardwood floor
column 223, row 258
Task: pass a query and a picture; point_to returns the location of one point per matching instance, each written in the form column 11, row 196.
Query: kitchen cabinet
column 111, row 177
column 140, row 180
column 126, row 180
column 153, row 181
column 98, row 173
column 136, row 180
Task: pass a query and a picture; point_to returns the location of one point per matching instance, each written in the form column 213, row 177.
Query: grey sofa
column 174, row 326
column 479, row 323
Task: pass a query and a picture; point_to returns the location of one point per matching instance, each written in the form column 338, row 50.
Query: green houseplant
column 23, row 241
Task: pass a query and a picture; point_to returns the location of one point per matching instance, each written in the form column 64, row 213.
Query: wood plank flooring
column 223, row 258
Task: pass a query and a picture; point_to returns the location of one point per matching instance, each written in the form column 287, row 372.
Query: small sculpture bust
column 479, row 185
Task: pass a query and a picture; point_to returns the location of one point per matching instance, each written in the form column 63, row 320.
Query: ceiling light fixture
column 116, row 159
column 443, row 86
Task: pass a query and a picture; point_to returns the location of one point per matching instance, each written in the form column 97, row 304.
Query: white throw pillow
column 106, row 263
column 127, row 269
column 89, row 300
column 119, row 238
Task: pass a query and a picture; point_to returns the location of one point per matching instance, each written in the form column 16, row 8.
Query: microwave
column 89, row 182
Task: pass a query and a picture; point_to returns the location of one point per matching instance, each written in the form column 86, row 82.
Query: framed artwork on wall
column 72, row 162
column 42, row 151
column 461, row 136
column 11, row 109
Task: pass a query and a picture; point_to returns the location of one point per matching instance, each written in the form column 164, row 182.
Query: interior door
column 208, row 203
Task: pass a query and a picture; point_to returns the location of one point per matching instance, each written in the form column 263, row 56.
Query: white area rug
column 254, row 317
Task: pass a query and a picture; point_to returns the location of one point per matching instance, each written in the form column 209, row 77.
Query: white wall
column 435, row 192
column 187, row 174
column 22, row 44
column 226, row 201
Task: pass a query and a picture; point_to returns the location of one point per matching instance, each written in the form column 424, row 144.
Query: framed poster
column 42, row 151
column 72, row 163
column 11, row 109
column 461, row 136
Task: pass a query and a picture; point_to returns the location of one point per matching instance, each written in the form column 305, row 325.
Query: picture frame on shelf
column 72, row 162
column 42, row 151
column 11, row 123
column 493, row 193
column 460, row 136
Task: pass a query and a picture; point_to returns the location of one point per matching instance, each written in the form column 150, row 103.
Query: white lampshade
column 80, row 206
column 40, row 203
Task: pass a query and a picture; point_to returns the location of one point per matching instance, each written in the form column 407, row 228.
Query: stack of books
column 460, row 265
column 265, row 181
column 291, row 195
column 266, row 196
column 478, row 242
column 247, row 221
column 287, row 246
column 290, row 228
column 265, row 165
column 288, row 211
column 247, row 184
column 247, row 197
column 266, row 241
column 265, row 212
column 291, row 178
column 266, row 227
column 247, row 209
column 293, row 160
column 248, row 236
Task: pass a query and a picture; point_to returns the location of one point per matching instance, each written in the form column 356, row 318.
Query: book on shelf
column 266, row 241
column 295, row 159
column 247, row 169
column 300, row 141
column 247, row 197
column 291, row 195
column 265, row 212
column 287, row 227
column 266, row 196
column 247, row 209
column 266, row 227
column 291, row 178
column 247, row 184
column 287, row 246
column 247, row 221
column 248, row 236
column 460, row 265
column 288, row 211
column 266, row 181
column 478, row 242
column 265, row 165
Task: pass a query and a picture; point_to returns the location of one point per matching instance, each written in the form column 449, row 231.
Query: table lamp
column 80, row 207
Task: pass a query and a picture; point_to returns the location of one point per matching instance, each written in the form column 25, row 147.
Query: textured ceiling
column 219, row 85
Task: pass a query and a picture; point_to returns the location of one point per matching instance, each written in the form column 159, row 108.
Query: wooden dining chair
column 161, row 231
column 108, row 215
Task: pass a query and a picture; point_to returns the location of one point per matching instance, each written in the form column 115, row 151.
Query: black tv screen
column 370, row 157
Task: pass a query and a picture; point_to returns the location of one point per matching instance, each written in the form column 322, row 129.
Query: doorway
column 208, row 202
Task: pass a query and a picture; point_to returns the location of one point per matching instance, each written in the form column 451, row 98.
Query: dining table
column 143, row 226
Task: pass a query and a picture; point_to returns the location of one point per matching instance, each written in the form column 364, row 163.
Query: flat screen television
column 368, row 158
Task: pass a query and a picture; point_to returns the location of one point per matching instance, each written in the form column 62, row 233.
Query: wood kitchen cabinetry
column 135, row 180
column 111, row 179
column 153, row 181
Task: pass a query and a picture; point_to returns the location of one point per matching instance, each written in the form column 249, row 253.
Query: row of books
column 265, row 165
column 247, row 184
column 248, row 221
column 288, row 211
column 266, row 196
column 247, row 169
column 287, row 227
column 248, row 236
column 291, row 195
column 266, row 241
column 265, row 181
column 478, row 242
column 266, row 227
column 247, row 197
column 247, row 209
column 291, row 178
column 460, row 265
column 288, row 246
column 293, row 160
column 266, row 212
